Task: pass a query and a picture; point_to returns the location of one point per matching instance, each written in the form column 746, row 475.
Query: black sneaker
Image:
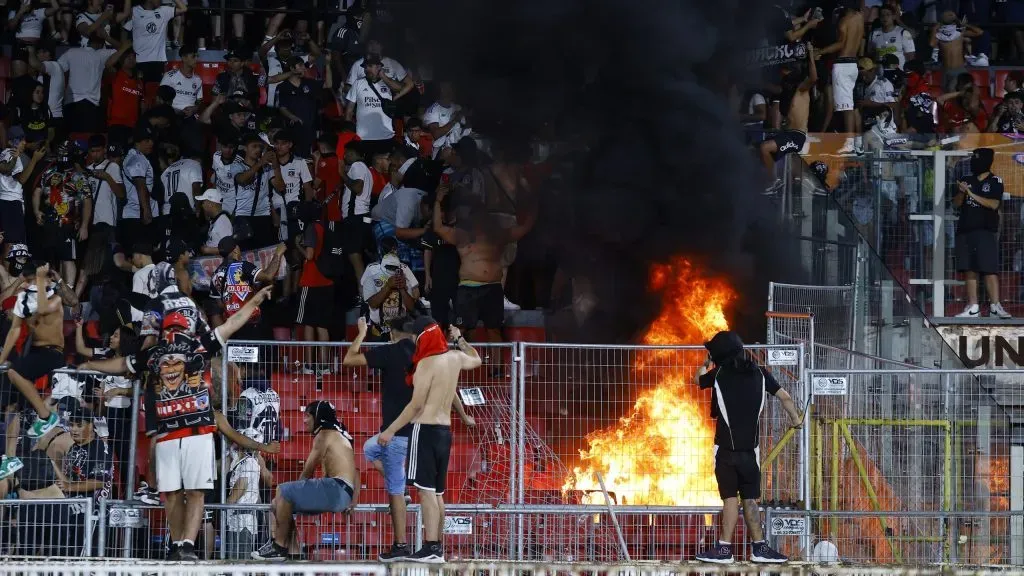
column 429, row 554
column 188, row 553
column 174, row 553
column 396, row 553
column 271, row 551
column 720, row 554
column 762, row 553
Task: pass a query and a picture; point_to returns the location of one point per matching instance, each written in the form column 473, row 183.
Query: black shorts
column 60, row 243
column 789, row 142
column 737, row 472
column 357, row 235
column 12, row 221
column 426, row 462
column 151, row 71
column 316, row 306
column 977, row 251
column 475, row 304
column 40, row 361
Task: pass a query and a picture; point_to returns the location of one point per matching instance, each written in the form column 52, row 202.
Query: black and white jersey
column 260, row 411
column 739, row 396
column 168, row 301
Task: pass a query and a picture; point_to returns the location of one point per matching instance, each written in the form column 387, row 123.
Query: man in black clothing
column 979, row 197
column 740, row 388
column 394, row 360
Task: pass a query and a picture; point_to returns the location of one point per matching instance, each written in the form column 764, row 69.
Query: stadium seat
column 982, row 80
column 1000, row 82
column 294, row 384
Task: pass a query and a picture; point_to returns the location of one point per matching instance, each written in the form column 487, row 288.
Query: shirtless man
column 948, row 37
column 481, row 243
column 433, row 397
column 336, row 491
column 796, row 92
column 844, row 69
column 42, row 307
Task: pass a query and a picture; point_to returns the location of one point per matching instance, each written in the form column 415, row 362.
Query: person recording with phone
column 389, row 288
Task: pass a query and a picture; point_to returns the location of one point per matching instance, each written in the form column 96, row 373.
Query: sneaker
column 147, row 495
column 509, row 305
column 775, row 188
column 307, row 370
column 971, row 311
column 187, row 553
column 397, row 552
column 174, row 553
column 9, row 465
column 848, row 147
column 271, row 551
column 762, row 553
column 323, row 371
column 41, row 427
column 720, row 554
column 429, row 554
column 996, row 309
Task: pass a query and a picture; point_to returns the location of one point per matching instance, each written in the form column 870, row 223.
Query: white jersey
column 11, row 189
column 389, row 67
column 137, row 166
column 27, row 302
column 104, row 202
column 149, row 33
column 295, row 174
column 441, row 115
column 55, row 99
column 31, row 25
column 223, row 181
column 187, row 89
column 89, row 19
column 178, row 178
column 371, row 122
column 260, row 411
column 358, row 171
column 897, row 41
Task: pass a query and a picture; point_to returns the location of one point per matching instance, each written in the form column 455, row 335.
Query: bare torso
column 48, row 329
column 953, row 52
column 443, row 373
column 799, row 111
column 853, row 26
column 480, row 260
column 338, row 458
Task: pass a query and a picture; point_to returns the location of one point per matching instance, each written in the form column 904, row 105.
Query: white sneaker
column 323, row 371
column 424, row 302
column 509, row 305
column 971, row 311
column 848, row 147
column 996, row 309
column 775, row 188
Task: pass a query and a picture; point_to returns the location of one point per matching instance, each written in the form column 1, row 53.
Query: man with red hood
column 434, row 376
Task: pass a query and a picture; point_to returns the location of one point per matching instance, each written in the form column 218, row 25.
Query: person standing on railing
column 740, row 390
column 796, row 102
column 979, row 197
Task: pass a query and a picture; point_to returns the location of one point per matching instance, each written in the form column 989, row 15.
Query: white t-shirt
column 897, row 41
column 389, row 66
column 295, row 174
column 371, row 122
column 881, row 91
column 222, row 180
column 85, row 72
column 11, row 189
column 178, row 178
column 275, row 67
column 371, row 283
column 31, row 26
column 187, row 89
column 358, row 171
column 220, row 229
column 55, row 100
column 137, row 166
column 89, row 19
column 248, row 468
column 104, row 202
column 149, row 33
column 441, row 115
column 246, row 194
column 140, row 281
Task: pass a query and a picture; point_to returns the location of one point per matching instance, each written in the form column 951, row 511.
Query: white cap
column 390, row 260
column 211, row 195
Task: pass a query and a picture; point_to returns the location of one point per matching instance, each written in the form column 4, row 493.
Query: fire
column 661, row 452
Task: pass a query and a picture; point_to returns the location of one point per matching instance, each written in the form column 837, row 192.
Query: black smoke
column 655, row 164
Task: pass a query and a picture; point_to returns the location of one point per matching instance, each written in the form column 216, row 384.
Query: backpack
column 331, row 261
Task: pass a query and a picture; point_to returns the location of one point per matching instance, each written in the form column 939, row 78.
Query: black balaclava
column 325, row 417
column 981, row 160
column 724, row 346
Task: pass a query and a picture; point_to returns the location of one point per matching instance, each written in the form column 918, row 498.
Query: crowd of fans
column 142, row 201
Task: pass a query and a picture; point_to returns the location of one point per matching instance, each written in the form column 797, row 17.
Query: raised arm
column 116, row 366
column 353, row 356
column 80, row 347
column 470, row 358
column 239, row 319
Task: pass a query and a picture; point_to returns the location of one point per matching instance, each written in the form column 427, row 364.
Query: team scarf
column 431, row 342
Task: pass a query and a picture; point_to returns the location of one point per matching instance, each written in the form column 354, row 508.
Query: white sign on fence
column 789, row 526
column 829, row 385
column 125, row 518
column 472, row 396
column 245, row 354
column 786, row 357
column 458, row 524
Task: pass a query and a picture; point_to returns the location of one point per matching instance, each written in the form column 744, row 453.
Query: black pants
column 444, row 277
column 84, row 116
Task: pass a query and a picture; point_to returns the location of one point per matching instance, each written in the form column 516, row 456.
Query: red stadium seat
column 983, row 80
column 1000, row 82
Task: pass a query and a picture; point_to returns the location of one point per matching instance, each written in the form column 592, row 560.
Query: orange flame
column 661, row 453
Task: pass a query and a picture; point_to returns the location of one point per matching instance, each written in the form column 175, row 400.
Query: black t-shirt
column 394, row 361
column 737, row 402
column 93, row 461
column 974, row 216
column 34, row 121
column 301, row 101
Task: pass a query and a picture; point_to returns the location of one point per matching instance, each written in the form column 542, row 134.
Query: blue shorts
column 317, row 495
column 392, row 457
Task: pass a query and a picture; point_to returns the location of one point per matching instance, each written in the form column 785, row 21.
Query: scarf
column 430, row 343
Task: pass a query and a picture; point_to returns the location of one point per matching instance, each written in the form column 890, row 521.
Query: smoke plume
column 656, row 164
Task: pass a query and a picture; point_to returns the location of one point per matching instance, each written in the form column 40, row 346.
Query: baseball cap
column 284, row 136
column 79, row 413
column 250, row 137
column 175, row 248
column 115, row 149
column 142, row 248
column 211, row 195
column 235, row 54
column 176, row 320
column 391, row 261
column 866, row 64
column 227, row 246
column 234, row 108
column 143, row 132
column 372, row 61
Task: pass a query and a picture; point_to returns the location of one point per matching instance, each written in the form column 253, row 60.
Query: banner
column 986, row 346
column 201, row 269
column 777, row 55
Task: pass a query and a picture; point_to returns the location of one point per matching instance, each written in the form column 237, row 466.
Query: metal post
column 939, row 236
column 87, row 540
column 101, row 544
column 515, row 458
column 1017, row 504
column 615, row 519
column 133, row 448
column 805, row 450
column 521, row 448
column 223, row 516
